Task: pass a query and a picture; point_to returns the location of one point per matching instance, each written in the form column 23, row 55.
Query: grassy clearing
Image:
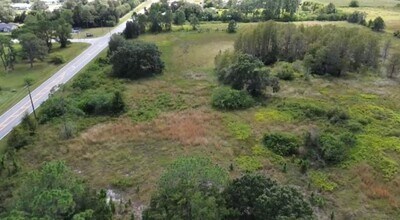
column 129, row 153
column 12, row 83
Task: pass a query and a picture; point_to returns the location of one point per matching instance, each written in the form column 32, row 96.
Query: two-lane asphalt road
column 13, row 116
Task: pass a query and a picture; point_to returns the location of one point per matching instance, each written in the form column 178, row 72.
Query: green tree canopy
column 244, row 72
column 53, row 192
column 189, row 189
column 136, row 60
column 256, row 197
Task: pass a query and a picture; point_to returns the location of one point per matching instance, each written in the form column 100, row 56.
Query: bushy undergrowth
column 285, row 72
column 149, row 108
column 231, row 99
column 281, row 143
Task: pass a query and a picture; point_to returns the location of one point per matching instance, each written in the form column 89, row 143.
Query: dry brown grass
column 193, row 127
column 373, row 188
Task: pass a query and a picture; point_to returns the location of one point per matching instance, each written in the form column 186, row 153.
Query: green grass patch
column 272, row 116
column 239, row 130
column 149, row 108
column 249, row 163
column 321, row 181
column 259, row 150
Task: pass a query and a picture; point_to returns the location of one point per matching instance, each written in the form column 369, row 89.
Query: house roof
column 9, row 26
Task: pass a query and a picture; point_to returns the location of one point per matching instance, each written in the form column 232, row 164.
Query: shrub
column 52, row 108
column 66, row 131
column 230, row 99
column 102, row 103
column 348, row 139
column 285, row 72
column 378, row 24
column 354, row 4
column 18, row 138
column 397, row 34
column 57, row 59
column 333, row 149
column 29, row 124
column 280, row 143
column 85, row 81
column 337, row 116
column 232, row 26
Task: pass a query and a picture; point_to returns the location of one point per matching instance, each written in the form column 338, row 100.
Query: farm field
column 170, row 116
column 12, row 84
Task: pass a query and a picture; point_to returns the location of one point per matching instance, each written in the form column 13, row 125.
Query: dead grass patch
column 192, row 127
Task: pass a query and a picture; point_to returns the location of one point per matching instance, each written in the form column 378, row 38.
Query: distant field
column 12, row 83
column 391, row 16
column 363, row 3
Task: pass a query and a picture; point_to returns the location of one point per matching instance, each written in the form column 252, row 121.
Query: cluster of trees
column 160, row 17
column 54, row 192
column 6, row 12
column 134, row 59
column 195, row 188
column 325, row 50
column 357, row 17
column 40, row 29
column 98, row 13
column 243, row 71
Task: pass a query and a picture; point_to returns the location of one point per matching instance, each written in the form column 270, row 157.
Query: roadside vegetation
column 201, row 122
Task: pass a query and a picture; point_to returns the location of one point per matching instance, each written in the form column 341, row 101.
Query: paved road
column 13, row 116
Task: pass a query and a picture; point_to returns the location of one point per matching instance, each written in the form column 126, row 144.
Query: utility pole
column 30, row 97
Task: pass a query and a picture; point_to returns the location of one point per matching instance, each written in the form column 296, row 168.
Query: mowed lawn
column 12, row 84
column 170, row 116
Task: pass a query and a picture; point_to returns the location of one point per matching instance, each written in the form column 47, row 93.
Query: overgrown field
column 170, row 116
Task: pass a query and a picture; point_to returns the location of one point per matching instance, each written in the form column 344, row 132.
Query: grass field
column 128, row 153
column 363, row 3
column 12, row 83
column 391, row 16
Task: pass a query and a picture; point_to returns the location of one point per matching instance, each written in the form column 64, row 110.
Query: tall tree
column 7, row 53
column 179, row 17
column 6, row 12
column 33, row 47
column 132, row 29
column 378, row 24
column 167, row 20
column 393, row 65
column 62, row 32
column 39, row 5
column 194, row 21
column 142, row 21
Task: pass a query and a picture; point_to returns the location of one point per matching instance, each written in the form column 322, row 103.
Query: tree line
column 98, row 13
column 324, row 49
